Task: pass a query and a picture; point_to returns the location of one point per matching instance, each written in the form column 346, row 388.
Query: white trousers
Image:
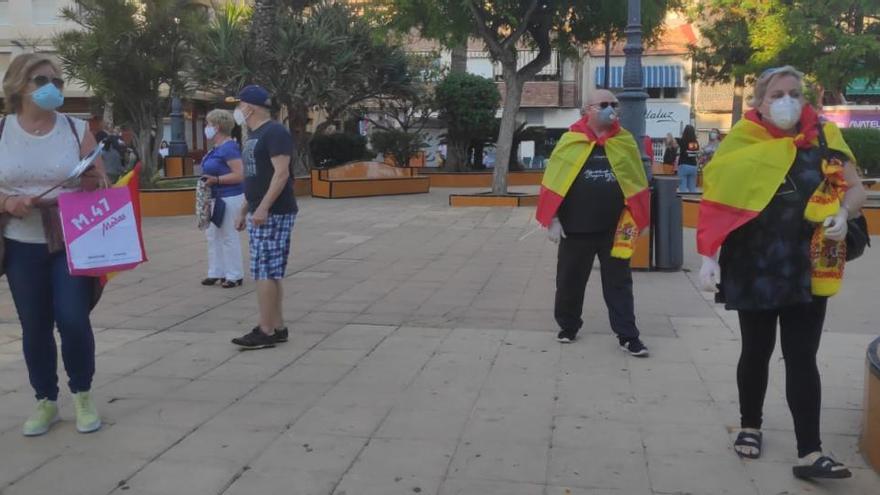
column 224, row 244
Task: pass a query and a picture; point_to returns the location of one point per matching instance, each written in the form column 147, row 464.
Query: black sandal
column 229, row 284
column 748, row 439
column 211, row 281
column 824, row 467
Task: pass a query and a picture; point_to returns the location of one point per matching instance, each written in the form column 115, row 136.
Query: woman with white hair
column 776, row 199
column 223, row 171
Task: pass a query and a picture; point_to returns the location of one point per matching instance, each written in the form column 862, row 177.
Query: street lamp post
column 633, row 97
column 177, row 146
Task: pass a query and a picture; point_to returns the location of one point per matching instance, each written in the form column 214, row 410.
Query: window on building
column 45, row 11
column 664, row 93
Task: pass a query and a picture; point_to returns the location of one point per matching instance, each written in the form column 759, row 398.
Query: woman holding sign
column 222, row 170
column 40, row 148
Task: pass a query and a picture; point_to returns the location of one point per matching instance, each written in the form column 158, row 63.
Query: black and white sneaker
column 256, row 339
column 281, row 335
column 566, row 337
column 634, row 346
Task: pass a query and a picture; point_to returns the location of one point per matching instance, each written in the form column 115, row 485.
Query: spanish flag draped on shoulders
column 747, row 170
column 566, row 162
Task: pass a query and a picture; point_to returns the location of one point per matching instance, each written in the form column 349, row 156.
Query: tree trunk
column 504, row 147
column 107, row 119
column 456, row 155
column 148, row 156
column 459, row 59
column 263, row 23
column 739, row 85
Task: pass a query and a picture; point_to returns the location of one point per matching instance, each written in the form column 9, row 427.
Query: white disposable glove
column 555, row 232
column 835, row 225
column 710, row 274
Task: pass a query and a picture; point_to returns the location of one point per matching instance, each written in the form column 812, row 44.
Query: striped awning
column 656, row 76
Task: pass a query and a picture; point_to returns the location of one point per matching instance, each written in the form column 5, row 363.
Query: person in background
column 222, row 169
column 112, row 154
column 688, row 154
column 269, row 211
column 670, row 152
column 710, row 148
column 163, row 149
column 776, row 199
column 40, row 147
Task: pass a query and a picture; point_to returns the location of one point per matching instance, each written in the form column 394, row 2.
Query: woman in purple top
column 222, row 169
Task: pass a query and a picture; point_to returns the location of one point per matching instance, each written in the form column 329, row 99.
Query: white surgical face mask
column 785, row 112
column 239, row 117
column 210, row 132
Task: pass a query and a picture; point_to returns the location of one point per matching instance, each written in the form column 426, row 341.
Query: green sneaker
column 41, row 420
column 87, row 419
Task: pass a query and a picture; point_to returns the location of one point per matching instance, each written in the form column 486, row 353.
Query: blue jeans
column 688, row 176
column 45, row 293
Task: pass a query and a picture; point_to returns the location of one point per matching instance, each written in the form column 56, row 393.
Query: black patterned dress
column 765, row 264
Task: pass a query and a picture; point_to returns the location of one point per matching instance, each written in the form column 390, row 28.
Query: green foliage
column 398, row 143
column 323, row 59
column 865, row 145
column 126, row 52
column 507, row 26
column 329, row 150
column 833, row 41
column 467, row 105
column 223, row 44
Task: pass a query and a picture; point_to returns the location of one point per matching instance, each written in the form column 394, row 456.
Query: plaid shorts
column 270, row 246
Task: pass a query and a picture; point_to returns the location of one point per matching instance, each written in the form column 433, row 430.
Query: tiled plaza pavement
column 422, row 360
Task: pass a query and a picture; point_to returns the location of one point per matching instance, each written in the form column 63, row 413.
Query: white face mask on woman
column 210, row 132
column 785, row 112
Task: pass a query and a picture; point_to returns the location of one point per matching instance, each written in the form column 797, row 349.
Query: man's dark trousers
column 574, row 263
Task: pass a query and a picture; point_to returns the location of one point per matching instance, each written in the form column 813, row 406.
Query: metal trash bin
column 667, row 223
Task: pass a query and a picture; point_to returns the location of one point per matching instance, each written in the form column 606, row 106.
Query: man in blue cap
column 268, row 213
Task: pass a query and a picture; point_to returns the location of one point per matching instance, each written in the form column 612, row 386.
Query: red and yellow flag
column 747, row 170
column 568, row 159
column 131, row 180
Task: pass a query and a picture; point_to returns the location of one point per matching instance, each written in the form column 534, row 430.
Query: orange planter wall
column 482, row 179
column 511, row 201
column 168, row 203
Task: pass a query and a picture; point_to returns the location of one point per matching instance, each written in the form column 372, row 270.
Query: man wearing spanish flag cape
column 777, row 196
column 594, row 201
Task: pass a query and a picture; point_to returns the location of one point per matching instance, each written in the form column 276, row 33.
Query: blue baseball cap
column 255, row 95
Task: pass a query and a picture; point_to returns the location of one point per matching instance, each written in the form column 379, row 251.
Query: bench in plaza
column 361, row 179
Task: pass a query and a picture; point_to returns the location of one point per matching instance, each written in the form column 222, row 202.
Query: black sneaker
column 634, row 346
column 281, row 335
column 566, row 337
column 256, row 339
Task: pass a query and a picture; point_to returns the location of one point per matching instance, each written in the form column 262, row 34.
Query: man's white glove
column 710, row 274
column 835, row 225
column 555, row 232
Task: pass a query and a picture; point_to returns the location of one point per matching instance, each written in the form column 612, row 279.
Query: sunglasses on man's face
column 606, row 104
column 40, row 81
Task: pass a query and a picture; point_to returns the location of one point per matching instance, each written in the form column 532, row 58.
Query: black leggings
column 800, row 331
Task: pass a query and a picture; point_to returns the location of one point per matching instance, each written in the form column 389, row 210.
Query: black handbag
column 218, row 212
column 857, row 235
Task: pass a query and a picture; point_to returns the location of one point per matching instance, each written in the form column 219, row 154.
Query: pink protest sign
column 100, row 231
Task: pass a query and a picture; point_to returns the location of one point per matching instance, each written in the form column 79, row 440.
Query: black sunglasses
column 40, row 81
column 606, row 104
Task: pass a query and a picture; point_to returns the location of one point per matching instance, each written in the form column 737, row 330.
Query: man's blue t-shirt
column 270, row 139
column 216, row 163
